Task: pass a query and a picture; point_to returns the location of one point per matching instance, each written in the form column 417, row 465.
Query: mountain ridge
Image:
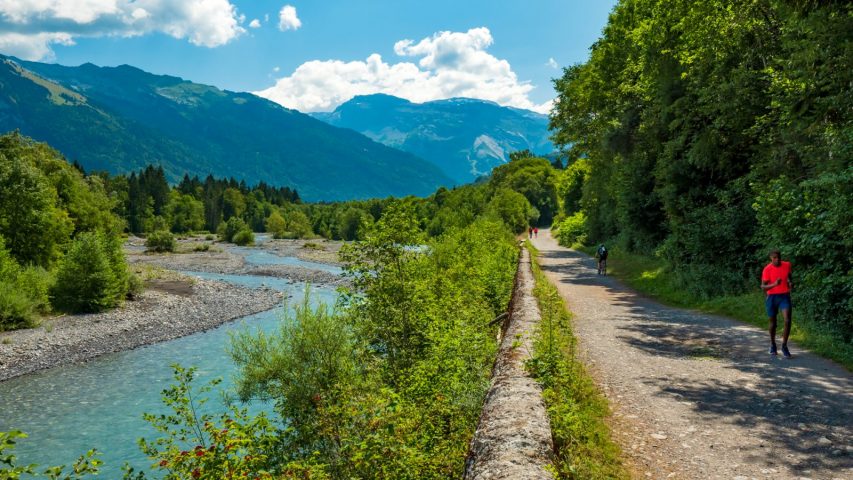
column 121, row 119
column 465, row 137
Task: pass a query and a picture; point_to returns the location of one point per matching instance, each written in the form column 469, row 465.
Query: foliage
column 390, row 385
column 534, row 178
column 23, row 292
column 85, row 466
column 161, row 241
column 31, row 220
column 230, row 445
column 229, row 229
column 244, row 237
column 812, row 222
column 513, row 209
column 92, row 276
column 276, row 225
column 686, row 116
column 572, row 230
column 185, row 213
column 576, row 409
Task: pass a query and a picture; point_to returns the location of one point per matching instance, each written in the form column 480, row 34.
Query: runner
column 776, row 283
column 601, row 255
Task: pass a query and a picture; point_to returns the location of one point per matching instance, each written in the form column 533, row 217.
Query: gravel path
column 158, row 316
column 696, row 396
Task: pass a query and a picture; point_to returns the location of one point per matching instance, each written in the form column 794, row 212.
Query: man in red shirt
column 776, row 283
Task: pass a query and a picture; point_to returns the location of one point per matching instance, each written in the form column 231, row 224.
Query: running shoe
column 773, row 349
column 785, row 352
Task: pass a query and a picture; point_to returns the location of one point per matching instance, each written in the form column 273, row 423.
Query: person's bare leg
column 773, row 332
column 786, row 330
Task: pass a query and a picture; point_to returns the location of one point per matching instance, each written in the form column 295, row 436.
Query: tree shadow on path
column 802, row 406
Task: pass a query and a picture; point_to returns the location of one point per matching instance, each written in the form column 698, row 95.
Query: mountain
column 465, row 137
column 121, row 119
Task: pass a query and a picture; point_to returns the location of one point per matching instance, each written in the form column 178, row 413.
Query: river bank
column 228, row 259
column 166, row 310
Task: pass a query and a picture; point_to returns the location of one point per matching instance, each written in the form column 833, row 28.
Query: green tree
column 34, row 227
column 276, row 225
column 92, row 276
column 184, row 212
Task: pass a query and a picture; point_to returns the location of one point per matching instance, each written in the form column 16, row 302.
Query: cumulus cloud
column 552, row 63
column 449, row 64
column 28, row 28
column 287, row 19
column 255, row 23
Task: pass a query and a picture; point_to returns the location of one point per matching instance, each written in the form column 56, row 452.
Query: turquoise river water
column 99, row 404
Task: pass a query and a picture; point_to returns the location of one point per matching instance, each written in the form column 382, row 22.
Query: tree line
column 707, row 133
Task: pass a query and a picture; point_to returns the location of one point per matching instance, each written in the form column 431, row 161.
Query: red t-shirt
column 773, row 273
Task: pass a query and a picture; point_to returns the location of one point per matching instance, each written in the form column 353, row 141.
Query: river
column 99, row 404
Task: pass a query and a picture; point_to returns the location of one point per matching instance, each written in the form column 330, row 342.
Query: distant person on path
column 536, row 232
column 776, row 283
column 601, row 255
column 530, row 232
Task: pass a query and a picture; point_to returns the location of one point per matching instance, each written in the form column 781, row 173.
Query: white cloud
column 450, row 64
column 255, row 23
column 276, row 69
column 287, row 19
column 28, row 28
column 552, row 63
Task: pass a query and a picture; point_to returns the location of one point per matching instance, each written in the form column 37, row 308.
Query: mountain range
column 465, row 137
column 121, row 119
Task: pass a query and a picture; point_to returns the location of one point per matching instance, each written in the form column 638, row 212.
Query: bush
column 202, row 247
column 23, row 292
column 275, row 224
column 230, row 228
column 244, row 237
column 812, row 224
column 572, row 230
column 92, row 276
column 160, row 241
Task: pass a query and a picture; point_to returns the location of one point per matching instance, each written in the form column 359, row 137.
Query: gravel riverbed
column 184, row 308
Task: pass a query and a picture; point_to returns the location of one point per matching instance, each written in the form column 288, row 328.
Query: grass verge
column 648, row 275
column 576, row 409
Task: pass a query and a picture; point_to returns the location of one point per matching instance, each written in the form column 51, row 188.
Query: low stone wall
column 513, row 439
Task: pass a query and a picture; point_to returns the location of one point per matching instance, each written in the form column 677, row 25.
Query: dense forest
column 707, row 133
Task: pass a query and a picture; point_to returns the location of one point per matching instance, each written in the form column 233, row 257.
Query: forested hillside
column 121, row 119
column 707, row 133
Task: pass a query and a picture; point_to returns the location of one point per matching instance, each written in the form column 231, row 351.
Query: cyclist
column 601, row 255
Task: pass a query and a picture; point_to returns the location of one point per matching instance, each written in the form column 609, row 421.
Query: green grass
column 576, row 409
column 649, row 276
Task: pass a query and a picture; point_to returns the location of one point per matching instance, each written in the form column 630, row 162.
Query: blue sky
column 497, row 50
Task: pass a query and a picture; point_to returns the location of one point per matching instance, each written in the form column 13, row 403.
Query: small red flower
column 199, row 453
column 163, row 463
column 196, row 473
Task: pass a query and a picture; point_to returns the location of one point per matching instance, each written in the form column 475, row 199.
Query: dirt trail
column 696, row 396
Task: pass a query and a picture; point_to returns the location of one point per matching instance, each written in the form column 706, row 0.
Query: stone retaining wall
column 513, row 438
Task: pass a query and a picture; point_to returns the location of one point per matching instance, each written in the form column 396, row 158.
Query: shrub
column 23, row 292
column 244, row 237
column 202, row 247
column 160, row 241
column 230, row 228
column 275, row 224
column 572, row 230
column 812, row 224
column 92, row 276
